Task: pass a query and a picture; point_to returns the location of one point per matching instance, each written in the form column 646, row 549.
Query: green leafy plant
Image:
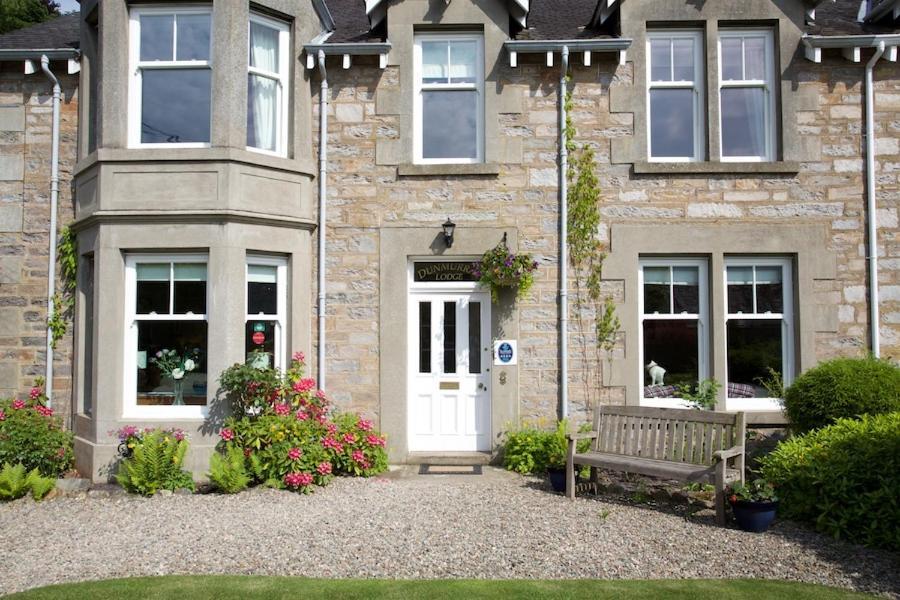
column 499, row 268
column 757, row 490
column 155, row 464
column 532, row 450
column 702, row 396
column 60, row 312
column 842, row 388
column 228, row 470
column 586, row 256
column 844, row 479
column 288, row 434
column 773, row 383
column 32, row 435
column 15, row 483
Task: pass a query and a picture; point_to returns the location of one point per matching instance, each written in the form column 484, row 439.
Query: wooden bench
column 688, row 445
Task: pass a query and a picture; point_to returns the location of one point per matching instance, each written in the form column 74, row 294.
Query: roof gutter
column 346, row 49
column 851, row 41
column 549, row 47
column 50, row 53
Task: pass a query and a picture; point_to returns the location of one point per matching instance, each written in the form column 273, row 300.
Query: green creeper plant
column 586, row 256
column 60, row 311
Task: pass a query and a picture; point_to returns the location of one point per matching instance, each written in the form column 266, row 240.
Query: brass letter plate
column 449, row 385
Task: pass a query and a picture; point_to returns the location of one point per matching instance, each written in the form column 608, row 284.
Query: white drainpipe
column 563, row 241
column 54, row 199
column 323, row 201
column 874, row 317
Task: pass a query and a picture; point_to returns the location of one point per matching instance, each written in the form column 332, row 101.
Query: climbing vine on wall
column 586, row 256
column 63, row 302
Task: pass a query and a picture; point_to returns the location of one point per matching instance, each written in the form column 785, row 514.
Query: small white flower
column 177, row 373
column 189, row 365
column 159, row 354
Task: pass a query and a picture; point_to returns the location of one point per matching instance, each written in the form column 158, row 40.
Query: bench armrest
column 730, row 453
column 587, row 435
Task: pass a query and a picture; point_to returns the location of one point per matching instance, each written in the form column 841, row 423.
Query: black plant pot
column 557, row 479
column 754, row 516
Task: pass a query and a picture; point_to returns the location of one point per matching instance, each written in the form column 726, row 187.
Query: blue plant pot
column 557, row 479
column 754, row 516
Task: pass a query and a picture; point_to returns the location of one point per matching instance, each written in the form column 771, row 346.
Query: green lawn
column 228, row 586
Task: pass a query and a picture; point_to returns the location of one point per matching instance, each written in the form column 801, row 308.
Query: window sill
column 725, row 168
column 476, row 169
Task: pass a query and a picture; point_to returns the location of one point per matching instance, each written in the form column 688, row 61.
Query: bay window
column 449, row 103
column 166, row 335
column 171, row 74
column 673, row 328
column 266, row 300
column 758, row 330
column 268, row 65
column 675, row 90
column 747, row 94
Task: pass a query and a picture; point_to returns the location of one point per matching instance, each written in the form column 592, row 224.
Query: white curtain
column 263, row 91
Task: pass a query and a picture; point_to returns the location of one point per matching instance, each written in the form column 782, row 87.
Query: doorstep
column 448, row 458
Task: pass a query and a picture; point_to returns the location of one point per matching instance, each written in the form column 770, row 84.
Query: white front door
column 449, row 365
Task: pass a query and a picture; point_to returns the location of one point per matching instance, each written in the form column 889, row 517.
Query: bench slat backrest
column 678, row 435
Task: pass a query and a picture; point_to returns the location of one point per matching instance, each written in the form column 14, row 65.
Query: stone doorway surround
column 397, row 246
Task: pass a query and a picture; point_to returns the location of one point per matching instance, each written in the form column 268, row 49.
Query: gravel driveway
column 497, row 525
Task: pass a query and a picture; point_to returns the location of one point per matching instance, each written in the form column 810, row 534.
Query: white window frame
column 767, row 85
column 130, row 407
column 137, row 67
column 702, row 319
column 419, row 87
column 282, row 79
column 280, row 316
column 787, row 325
column 697, row 85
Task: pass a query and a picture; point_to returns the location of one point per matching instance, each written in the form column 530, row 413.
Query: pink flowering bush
column 289, row 436
column 31, row 435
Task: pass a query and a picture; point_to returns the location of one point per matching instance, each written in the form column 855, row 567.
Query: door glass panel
column 474, row 337
column 449, row 337
column 424, row 337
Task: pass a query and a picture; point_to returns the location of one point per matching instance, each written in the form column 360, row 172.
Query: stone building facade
column 793, row 219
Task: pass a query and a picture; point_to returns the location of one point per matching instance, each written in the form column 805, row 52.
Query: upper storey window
column 267, row 85
column 747, row 94
column 676, row 95
column 171, row 74
column 449, row 114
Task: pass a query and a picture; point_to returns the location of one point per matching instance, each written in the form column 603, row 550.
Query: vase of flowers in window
column 176, row 365
column 499, row 269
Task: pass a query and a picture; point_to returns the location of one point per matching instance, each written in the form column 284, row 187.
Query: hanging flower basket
column 499, row 268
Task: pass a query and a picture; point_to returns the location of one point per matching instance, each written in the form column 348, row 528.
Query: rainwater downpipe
column 323, row 201
column 54, row 200
column 563, row 240
column 874, row 316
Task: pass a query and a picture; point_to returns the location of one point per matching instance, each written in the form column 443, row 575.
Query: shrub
column 14, row 483
column 842, row 388
column 288, row 435
column 30, row 434
column 532, row 450
column 154, row 461
column 228, row 471
column 843, row 478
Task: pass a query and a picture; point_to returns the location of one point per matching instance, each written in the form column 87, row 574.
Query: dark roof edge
column 851, row 41
column 8, row 54
column 324, row 14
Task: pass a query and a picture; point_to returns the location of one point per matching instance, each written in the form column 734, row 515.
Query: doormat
column 450, row 470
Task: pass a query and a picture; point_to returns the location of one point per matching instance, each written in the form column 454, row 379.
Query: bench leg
column 570, row 471
column 595, row 475
column 720, row 493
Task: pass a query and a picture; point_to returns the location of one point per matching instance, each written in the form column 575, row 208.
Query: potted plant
column 754, row 504
column 499, row 268
column 556, row 447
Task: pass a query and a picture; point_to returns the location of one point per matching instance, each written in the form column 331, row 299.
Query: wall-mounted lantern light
column 449, row 228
